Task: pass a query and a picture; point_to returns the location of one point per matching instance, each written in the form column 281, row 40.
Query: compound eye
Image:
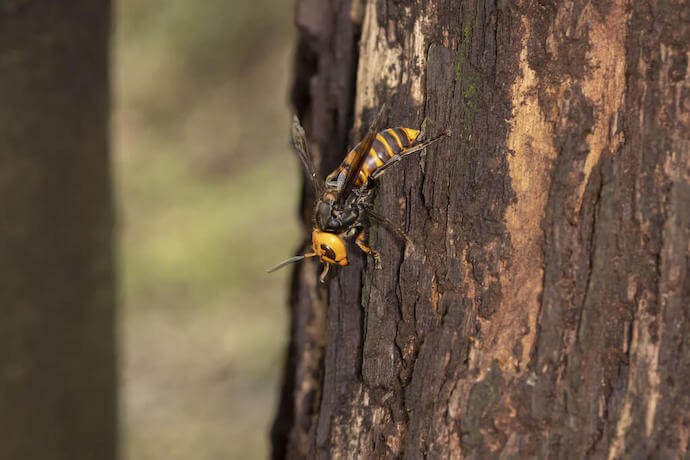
column 328, row 252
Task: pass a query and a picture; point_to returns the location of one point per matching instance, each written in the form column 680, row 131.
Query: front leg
column 362, row 241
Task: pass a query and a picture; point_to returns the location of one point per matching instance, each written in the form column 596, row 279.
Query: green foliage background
column 206, row 188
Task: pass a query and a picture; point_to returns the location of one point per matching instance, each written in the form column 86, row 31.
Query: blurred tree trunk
column 544, row 308
column 57, row 348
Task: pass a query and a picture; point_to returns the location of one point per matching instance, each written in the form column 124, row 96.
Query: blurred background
column 206, row 190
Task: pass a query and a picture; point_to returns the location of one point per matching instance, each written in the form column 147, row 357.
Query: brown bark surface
column 543, row 310
column 57, row 347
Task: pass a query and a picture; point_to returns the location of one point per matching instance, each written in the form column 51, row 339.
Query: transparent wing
column 393, row 161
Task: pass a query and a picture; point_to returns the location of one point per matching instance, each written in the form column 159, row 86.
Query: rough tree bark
column 543, row 310
column 57, row 347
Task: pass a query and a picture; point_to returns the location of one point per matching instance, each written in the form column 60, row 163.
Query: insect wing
column 391, row 162
column 361, row 152
column 299, row 142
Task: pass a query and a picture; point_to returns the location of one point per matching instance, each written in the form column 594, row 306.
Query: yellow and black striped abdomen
column 389, row 142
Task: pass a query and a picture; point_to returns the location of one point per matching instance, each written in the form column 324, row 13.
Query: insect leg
column 395, row 158
column 387, row 222
column 362, row 243
column 322, row 278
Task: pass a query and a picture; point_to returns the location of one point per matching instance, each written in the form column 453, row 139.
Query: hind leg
column 388, row 223
column 362, row 243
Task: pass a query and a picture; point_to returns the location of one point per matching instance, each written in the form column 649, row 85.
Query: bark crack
column 592, row 249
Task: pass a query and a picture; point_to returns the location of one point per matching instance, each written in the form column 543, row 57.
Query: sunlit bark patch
column 532, row 152
column 604, row 84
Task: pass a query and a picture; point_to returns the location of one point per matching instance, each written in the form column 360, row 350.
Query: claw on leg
column 377, row 260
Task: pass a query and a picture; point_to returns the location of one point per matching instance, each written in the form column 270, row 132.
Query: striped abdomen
column 389, row 142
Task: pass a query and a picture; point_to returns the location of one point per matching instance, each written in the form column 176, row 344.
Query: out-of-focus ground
column 206, row 188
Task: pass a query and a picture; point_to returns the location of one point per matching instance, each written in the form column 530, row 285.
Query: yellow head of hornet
column 329, row 247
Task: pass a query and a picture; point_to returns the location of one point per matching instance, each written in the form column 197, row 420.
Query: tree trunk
column 57, row 347
column 543, row 310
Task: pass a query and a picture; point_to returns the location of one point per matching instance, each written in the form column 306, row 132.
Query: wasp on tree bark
column 345, row 197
